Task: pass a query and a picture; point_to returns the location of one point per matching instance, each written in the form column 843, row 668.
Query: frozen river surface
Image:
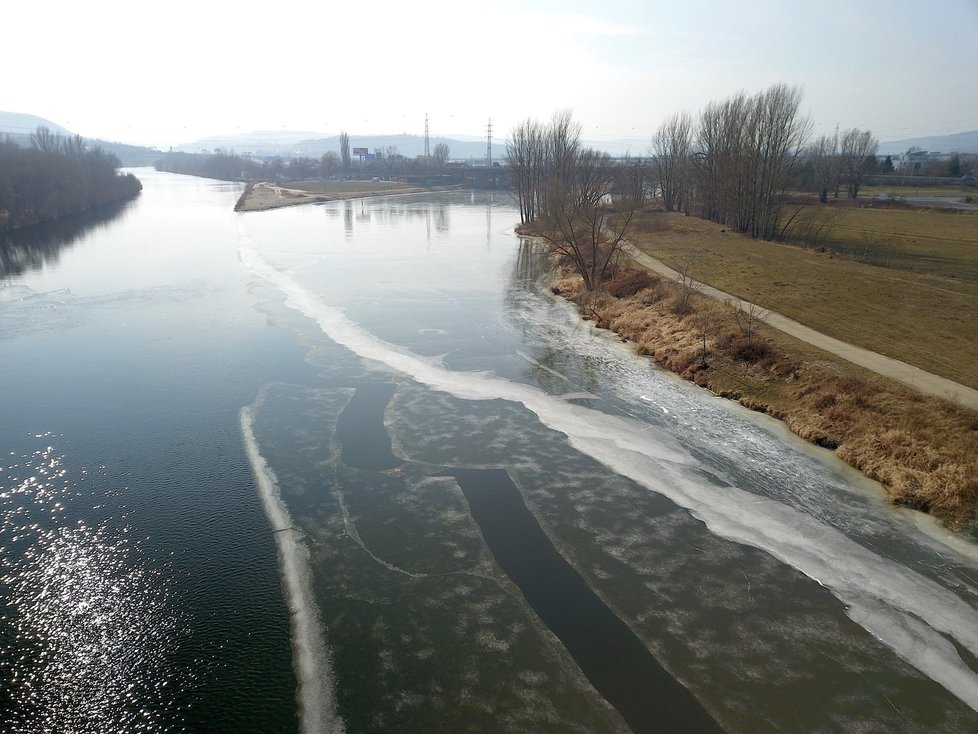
column 351, row 467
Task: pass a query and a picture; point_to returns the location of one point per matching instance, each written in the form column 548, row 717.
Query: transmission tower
column 489, row 144
column 427, row 152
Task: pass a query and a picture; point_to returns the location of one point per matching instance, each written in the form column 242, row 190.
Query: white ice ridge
column 907, row 612
column 316, row 694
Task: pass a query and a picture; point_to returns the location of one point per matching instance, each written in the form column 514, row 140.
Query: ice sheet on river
column 915, row 614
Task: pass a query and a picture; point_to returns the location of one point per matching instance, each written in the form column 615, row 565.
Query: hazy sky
column 169, row 73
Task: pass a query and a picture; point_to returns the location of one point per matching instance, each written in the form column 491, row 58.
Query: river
column 351, row 467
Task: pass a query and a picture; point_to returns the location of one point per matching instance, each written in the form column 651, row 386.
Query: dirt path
column 915, row 377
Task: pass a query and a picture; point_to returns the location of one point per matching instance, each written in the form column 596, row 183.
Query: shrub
column 753, row 351
column 629, row 282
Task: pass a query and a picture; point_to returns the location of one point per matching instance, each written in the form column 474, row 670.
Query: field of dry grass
column 909, row 188
column 918, row 303
column 923, row 450
column 335, row 188
column 264, row 195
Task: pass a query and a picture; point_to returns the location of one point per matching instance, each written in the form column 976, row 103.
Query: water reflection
column 87, row 625
column 34, row 247
column 393, row 212
column 442, row 221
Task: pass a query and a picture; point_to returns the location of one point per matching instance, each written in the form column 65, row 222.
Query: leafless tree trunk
column 686, row 287
column 670, row 150
column 746, row 150
column 391, row 157
column 824, row 157
column 526, row 157
column 748, row 319
column 856, row 146
column 562, row 145
column 579, row 227
column 440, row 155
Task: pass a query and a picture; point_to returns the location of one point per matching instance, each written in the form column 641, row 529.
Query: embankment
column 923, row 450
column 262, row 195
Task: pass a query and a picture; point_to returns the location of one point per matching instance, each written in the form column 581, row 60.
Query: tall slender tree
column 345, row 158
column 670, row 151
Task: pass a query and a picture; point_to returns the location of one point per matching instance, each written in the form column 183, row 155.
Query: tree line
column 564, row 192
column 55, row 176
column 229, row 166
column 735, row 163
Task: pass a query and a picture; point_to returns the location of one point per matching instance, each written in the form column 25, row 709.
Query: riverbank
column 923, row 450
column 263, row 195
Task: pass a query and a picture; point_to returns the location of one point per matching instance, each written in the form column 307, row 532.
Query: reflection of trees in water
column 556, row 368
column 532, row 261
column 30, row 248
column 442, row 222
column 364, row 214
column 348, row 216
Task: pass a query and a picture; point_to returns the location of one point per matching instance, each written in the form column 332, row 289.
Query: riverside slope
column 902, row 372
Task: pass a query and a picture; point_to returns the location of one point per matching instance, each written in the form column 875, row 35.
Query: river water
column 351, row 467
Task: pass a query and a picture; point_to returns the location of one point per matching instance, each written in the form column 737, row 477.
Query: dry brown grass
column 923, row 450
column 926, row 317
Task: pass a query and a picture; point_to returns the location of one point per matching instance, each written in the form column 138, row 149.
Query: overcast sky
column 170, row 73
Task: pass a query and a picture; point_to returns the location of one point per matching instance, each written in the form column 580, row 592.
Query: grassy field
column 909, row 188
column 917, row 303
column 916, row 240
column 346, row 187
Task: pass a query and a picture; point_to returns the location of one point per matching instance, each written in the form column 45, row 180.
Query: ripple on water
column 88, row 628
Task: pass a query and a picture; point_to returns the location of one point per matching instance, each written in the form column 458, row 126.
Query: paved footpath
column 915, row 377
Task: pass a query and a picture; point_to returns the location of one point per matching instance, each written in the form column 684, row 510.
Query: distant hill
column 291, row 144
column 18, row 123
column 19, row 126
column 966, row 142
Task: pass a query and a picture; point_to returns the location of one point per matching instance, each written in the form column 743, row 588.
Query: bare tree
column 57, row 176
column 823, row 155
column 562, row 146
column 746, row 151
column 631, row 181
column 391, row 158
column 855, row 148
column 440, row 155
column 686, row 287
column 329, row 164
column 579, row 227
column 748, row 317
column 670, row 150
column 526, row 158
column 45, row 141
